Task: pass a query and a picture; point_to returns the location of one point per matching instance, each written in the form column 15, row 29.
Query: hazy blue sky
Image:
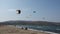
column 50, row 9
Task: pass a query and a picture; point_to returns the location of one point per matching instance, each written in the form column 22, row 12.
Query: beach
column 6, row 29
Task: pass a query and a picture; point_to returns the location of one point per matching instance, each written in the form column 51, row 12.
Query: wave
column 37, row 30
column 43, row 31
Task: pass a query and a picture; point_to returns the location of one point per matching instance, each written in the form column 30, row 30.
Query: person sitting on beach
column 26, row 28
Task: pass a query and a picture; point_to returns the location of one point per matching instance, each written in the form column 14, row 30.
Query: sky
column 46, row 10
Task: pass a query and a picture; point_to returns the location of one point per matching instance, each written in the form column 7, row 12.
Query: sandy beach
column 14, row 30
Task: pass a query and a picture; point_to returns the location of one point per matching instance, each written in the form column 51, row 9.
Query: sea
column 47, row 29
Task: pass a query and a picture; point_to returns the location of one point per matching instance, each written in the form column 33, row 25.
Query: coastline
column 39, row 30
column 10, row 29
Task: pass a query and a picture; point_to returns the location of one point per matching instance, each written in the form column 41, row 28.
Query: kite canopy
column 34, row 11
column 18, row 11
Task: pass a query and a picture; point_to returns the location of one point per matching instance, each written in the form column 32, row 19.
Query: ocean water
column 55, row 29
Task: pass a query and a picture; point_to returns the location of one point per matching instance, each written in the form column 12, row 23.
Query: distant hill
column 29, row 23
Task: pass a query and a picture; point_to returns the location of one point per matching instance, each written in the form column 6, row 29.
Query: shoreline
column 11, row 29
column 39, row 30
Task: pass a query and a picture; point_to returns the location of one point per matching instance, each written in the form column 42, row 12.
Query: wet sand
column 14, row 30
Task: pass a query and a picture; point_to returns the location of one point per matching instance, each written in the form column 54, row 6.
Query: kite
column 18, row 11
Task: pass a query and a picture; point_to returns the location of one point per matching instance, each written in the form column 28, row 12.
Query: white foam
column 51, row 32
column 43, row 31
